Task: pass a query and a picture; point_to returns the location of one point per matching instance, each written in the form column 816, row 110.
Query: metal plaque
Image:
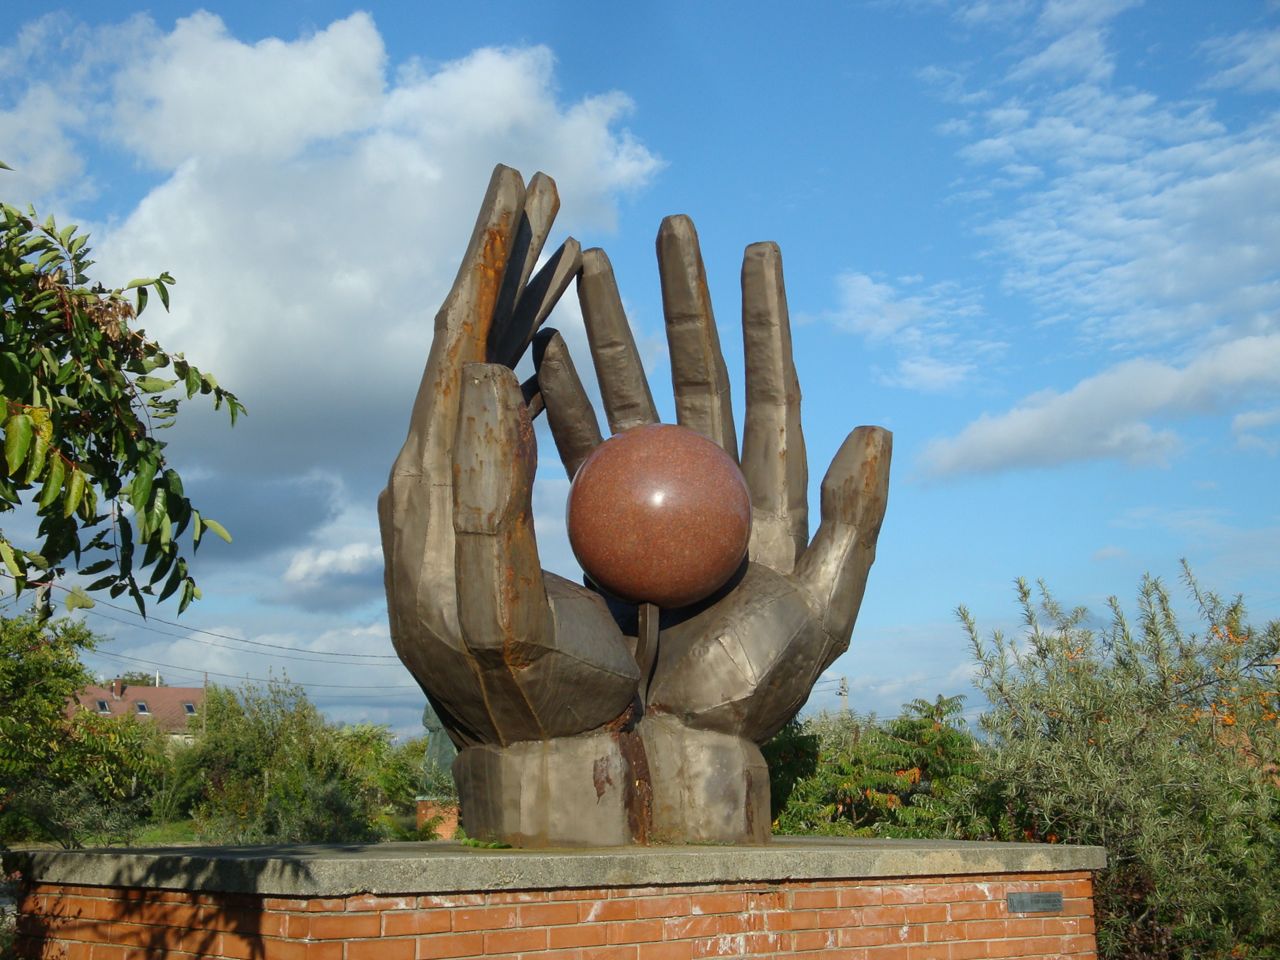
column 1035, row 903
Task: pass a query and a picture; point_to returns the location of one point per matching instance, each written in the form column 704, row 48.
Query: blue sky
column 1040, row 241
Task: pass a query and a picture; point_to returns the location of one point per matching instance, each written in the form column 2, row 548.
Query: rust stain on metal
column 637, row 788
column 600, row 776
column 492, row 265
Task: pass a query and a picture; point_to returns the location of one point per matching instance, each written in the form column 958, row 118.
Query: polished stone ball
column 659, row 514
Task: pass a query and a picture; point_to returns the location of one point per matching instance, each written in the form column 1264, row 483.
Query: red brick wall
column 916, row 919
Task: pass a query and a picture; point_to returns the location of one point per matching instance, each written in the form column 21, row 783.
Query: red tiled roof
column 166, row 706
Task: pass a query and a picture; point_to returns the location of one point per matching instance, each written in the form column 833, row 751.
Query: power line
column 224, row 636
column 223, row 646
column 237, row 676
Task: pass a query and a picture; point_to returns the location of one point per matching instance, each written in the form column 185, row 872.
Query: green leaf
column 77, row 599
column 75, row 491
column 125, row 544
column 140, row 486
column 142, row 300
column 88, row 508
column 101, row 565
column 15, row 379
column 217, row 528
column 177, row 578
column 153, row 384
column 53, row 482
column 36, row 460
column 10, row 561
column 188, row 593
column 164, row 293
column 193, row 381
column 17, row 440
column 157, row 516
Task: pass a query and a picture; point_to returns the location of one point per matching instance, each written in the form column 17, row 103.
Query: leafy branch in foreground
column 82, row 397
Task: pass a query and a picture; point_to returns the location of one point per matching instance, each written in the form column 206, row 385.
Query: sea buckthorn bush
column 1156, row 742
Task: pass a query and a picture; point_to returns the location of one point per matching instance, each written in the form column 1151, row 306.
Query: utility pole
column 204, row 707
column 844, row 694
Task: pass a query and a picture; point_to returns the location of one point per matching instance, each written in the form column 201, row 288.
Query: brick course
column 926, row 918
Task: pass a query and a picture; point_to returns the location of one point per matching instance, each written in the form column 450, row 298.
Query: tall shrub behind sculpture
column 1157, row 743
column 273, row 771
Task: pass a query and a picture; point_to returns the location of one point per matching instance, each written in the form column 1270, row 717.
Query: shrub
column 1160, row 745
column 854, row 776
column 271, row 770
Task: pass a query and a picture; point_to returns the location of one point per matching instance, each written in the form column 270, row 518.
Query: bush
column 1158, row 744
column 843, row 775
column 270, row 769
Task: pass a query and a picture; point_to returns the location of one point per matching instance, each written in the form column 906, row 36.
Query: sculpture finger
column 416, row 509
column 698, row 373
column 623, row 385
column 462, row 328
column 834, row 568
column 508, row 343
column 569, row 414
column 541, row 678
column 541, row 204
column 773, row 453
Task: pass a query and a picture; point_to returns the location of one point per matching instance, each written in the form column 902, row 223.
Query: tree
column 1157, row 743
column 66, row 775
column 140, row 678
column 83, row 398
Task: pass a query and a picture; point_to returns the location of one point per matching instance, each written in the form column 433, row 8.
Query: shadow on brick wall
column 155, row 899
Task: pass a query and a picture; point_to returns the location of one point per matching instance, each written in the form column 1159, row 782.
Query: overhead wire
column 237, row 676
column 277, row 656
column 224, row 636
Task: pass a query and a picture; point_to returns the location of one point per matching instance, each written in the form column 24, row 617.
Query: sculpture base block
column 824, row 899
column 662, row 782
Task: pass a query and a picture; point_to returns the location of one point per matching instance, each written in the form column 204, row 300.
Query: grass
column 174, row 832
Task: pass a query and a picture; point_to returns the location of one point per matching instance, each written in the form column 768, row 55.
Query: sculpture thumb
column 834, row 568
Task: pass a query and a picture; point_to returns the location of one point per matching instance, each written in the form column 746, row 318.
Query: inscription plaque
column 1035, row 903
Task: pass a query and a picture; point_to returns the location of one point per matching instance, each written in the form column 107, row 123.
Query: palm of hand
column 533, row 672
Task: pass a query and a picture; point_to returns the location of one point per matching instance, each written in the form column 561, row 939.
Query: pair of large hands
column 525, row 667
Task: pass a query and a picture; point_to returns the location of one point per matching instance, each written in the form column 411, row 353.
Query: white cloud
column 199, row 92
column 930, row 373
column 310, row 565
column 921, row 327
column 1247, row 428
column 1082, row 53
column 1104, row 416
column 1254, row 59
column 876, row 310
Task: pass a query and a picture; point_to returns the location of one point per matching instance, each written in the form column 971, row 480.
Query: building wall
column 917, row 918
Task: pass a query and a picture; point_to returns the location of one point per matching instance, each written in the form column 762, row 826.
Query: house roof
column 165, row 706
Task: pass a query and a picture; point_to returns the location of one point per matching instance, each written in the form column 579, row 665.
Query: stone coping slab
column 444, row 867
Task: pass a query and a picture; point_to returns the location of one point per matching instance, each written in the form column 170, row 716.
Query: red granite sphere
column 659, row 514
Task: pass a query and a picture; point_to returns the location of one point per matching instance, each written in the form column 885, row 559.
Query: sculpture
column 580, row 719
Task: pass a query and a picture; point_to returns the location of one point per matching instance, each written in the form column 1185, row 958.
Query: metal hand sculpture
column 581, row 720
